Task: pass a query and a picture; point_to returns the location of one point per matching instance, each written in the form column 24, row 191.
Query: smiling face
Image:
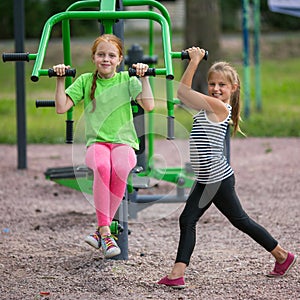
column 106, row 59
column 220, row 87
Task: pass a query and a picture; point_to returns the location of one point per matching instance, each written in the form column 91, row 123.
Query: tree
column 202, row 29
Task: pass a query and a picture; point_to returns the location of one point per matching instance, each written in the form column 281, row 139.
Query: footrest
column 68, row 172
column 82, row 171
column 140, row 182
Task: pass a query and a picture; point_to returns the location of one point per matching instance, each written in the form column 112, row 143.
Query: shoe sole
column 91, row 242
column 177, row 287
column 287, row 270
column 116, row 252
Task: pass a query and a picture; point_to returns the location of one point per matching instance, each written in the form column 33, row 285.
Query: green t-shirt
column 112, row 119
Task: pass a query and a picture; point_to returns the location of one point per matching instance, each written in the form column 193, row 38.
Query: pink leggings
column 111, row 164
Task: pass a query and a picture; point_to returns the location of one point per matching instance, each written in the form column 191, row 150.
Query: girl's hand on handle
column 62, row 101
column 145, row 98
column 141, row 69
column 60, row 69
column 196, row 54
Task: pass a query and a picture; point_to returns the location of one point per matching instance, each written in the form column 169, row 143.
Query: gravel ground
column 43, row 255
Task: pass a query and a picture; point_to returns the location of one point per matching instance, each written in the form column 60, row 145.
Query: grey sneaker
column 94, row 239
column 109, row 246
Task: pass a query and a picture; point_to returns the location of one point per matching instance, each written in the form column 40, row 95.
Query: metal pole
column 246, row 57
column 19, row 25
column 150, row 133
column 122, row 213
column 257, row 54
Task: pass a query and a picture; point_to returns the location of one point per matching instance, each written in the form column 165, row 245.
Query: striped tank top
column 207, row 142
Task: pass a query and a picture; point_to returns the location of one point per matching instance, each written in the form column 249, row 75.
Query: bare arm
column 192, row 98
column 62, row 101
column 145, row 98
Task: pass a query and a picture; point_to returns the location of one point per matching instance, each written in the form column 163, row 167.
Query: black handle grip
column 15, row 56
column 44, row 103
column 129, row 60
column 69, row 131
column 185, row 55
column 149, row 72
column 68, row 72
column 171, row 135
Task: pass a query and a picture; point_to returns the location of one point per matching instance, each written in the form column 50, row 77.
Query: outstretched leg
column 192, row 212
column 228, row 203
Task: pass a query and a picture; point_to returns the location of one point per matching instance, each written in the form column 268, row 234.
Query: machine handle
column 15, row 56
column 171, row 135
column 44, row 103
column 149, row 72
column 185, row 55
column 68, row 72
column 69, row 123
column 69, row 131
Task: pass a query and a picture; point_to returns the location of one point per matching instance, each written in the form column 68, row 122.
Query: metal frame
column 80, row 178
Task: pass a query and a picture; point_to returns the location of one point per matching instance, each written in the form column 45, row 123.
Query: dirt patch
column 43, row 226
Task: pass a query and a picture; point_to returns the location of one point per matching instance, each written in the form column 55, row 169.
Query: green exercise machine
column 109, row 13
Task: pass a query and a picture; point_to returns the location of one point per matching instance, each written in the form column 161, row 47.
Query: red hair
column 110, row 38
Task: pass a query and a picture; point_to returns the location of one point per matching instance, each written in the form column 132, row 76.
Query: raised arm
column 62, row 101
column 192, row 98
column 145, row 98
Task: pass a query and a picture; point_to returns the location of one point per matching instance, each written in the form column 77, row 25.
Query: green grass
column 279, row 117
column 280, row 101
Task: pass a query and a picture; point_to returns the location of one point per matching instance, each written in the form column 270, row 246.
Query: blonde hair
column 232, row 76
column 111, row 38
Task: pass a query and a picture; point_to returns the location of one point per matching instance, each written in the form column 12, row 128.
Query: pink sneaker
column 177, row 283
column 281, row 270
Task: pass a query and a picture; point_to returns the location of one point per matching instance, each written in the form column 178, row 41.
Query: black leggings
column 223, row 195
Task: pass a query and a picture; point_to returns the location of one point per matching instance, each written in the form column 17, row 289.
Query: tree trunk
column 203, row 26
